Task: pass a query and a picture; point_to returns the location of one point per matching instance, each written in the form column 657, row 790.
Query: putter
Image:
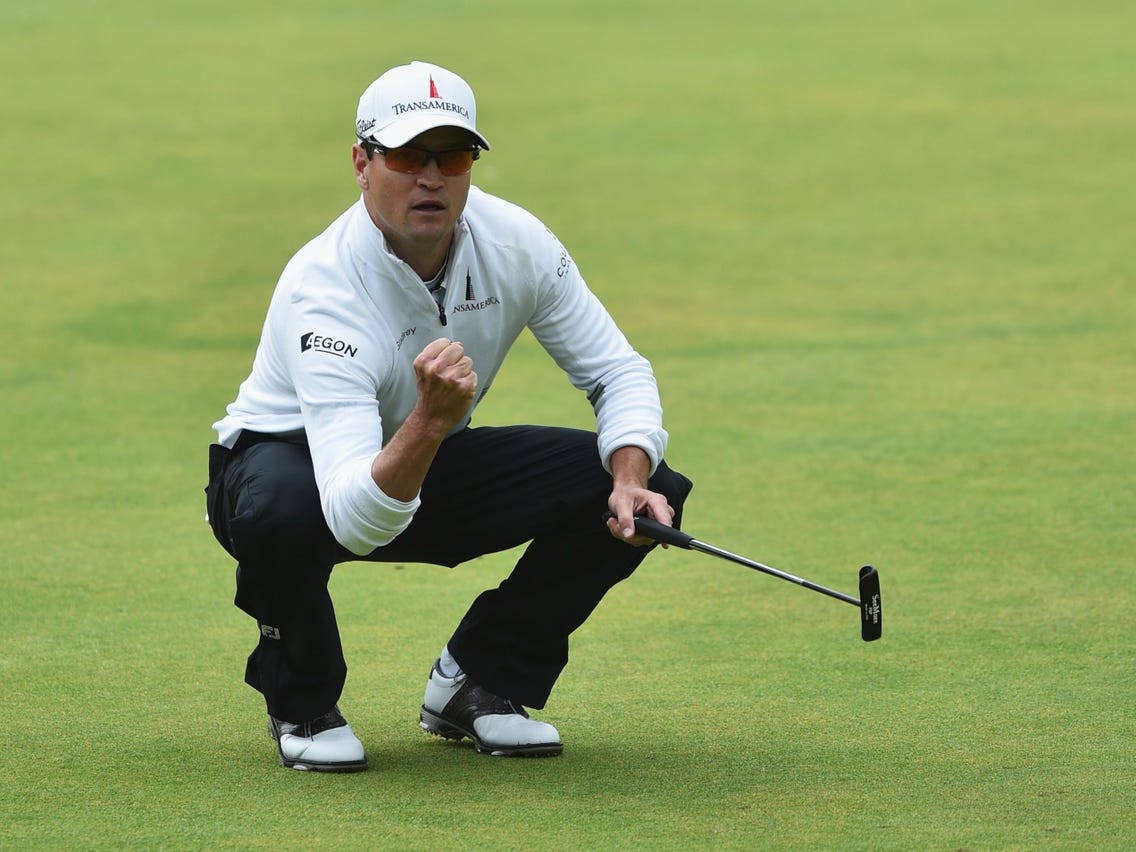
column 871, row 615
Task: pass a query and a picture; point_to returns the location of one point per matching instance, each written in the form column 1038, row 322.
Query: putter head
column 871, row 615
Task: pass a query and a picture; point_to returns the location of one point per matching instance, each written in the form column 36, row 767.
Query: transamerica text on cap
column 399, row 109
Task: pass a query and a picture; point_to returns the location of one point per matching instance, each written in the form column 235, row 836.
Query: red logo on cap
column 433, row 89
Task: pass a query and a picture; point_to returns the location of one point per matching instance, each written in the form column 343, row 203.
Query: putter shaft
column 695, row 544
column 871, row 615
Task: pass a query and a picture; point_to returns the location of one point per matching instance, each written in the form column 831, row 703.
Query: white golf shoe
column 456, row 707
column 325, row 744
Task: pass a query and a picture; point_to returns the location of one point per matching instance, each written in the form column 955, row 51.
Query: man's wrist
column 630, row 466
column 426, row 428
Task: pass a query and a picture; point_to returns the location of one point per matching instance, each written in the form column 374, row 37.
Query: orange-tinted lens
column 413, row 160
column 409, row 160
column 452, row 163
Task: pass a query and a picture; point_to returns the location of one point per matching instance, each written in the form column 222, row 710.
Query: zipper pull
column 442, row 314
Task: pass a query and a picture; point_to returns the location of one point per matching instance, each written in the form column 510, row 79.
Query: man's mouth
column 429, row 206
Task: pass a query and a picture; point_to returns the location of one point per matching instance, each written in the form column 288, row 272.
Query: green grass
column 878, row 254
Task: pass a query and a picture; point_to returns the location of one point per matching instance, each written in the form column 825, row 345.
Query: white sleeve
column 580, row 335
column 336, row 367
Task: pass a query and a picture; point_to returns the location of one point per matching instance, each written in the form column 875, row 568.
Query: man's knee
column 672, row 485
column 276, row 510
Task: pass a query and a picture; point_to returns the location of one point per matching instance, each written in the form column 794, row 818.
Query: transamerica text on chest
column 476, row 306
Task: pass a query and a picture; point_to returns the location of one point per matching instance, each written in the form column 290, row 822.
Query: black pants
column 488, row 489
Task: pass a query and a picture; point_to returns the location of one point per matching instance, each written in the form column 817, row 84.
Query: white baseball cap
column 411, row 99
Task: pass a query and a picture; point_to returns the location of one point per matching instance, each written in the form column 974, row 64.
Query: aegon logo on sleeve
column 329, row 345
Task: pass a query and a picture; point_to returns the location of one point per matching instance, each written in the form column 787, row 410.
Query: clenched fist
column 446, row 382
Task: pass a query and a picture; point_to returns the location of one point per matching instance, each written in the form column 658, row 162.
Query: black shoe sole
column 307, row 765
column 434, row 724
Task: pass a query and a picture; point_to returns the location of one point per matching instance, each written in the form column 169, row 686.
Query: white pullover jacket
column 348, row 317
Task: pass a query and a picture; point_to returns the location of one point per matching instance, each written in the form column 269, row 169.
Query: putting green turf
column 879, row 254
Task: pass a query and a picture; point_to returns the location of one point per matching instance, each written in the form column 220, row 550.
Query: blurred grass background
column 876, row 253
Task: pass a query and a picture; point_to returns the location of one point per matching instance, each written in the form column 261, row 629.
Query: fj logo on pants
column 269, row 631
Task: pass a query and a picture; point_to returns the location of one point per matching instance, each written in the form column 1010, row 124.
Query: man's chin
column 430, row 228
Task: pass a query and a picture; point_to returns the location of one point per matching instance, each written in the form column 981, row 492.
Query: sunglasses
column 411, row 161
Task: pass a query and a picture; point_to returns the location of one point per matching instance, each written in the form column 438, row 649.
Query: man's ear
column 359, row 161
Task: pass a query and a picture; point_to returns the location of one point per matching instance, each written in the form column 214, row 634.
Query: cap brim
column 404, row 129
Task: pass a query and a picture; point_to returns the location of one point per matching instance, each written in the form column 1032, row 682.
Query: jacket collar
column 370, row 244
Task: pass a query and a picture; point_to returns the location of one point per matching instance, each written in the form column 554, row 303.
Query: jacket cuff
column 652, row 445
column 366, row 517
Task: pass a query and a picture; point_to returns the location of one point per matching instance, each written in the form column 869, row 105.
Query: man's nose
column 431, row 174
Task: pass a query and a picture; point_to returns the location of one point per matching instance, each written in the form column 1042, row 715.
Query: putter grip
column 659, row 532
